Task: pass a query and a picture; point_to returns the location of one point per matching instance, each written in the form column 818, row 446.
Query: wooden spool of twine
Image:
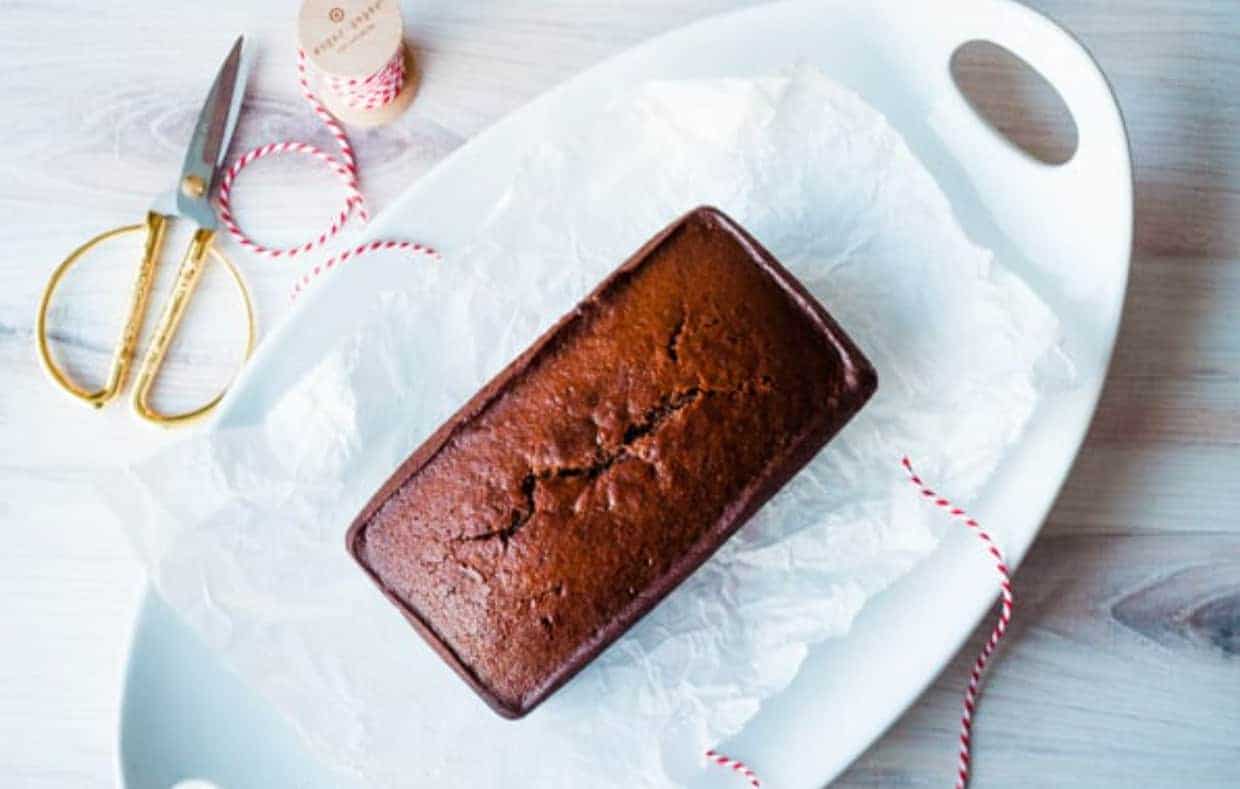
column 352, row 66
column 355, row 49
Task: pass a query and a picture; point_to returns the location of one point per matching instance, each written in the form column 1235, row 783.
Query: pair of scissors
column 191, row 200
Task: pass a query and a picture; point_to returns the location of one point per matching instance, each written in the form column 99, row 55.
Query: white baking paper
column 242, row 529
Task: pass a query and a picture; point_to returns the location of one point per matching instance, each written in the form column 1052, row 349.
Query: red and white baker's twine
column 370, row 246
column 736, row 766
column 375, row 91
column 371, row 92
column 1006, row 600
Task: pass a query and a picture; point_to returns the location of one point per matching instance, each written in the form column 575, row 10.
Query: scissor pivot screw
column 193, row 186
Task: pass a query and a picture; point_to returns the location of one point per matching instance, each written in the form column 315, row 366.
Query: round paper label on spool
column 349, row 38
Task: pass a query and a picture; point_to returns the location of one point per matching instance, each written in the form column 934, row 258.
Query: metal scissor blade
column 212, row 133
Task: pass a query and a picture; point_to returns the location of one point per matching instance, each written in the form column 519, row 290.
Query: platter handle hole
column 1015, row 101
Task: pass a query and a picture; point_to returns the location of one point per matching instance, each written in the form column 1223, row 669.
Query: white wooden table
column 1124, row 667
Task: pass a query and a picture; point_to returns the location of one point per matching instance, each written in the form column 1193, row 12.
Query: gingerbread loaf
column 610, row 459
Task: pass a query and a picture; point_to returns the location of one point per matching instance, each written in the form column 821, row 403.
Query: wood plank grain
column 70, row 588
column 1122, row 667
column 1121, row 670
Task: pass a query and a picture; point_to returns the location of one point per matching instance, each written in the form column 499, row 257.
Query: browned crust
column 862, row 383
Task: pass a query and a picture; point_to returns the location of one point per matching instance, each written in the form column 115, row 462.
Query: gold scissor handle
column 155, row 225
column 192, row 265
column 196, row 257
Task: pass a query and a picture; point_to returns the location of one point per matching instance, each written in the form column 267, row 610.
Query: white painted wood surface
column 1124, row 667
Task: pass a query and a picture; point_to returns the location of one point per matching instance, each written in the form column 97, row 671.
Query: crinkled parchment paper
column 242, row 529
